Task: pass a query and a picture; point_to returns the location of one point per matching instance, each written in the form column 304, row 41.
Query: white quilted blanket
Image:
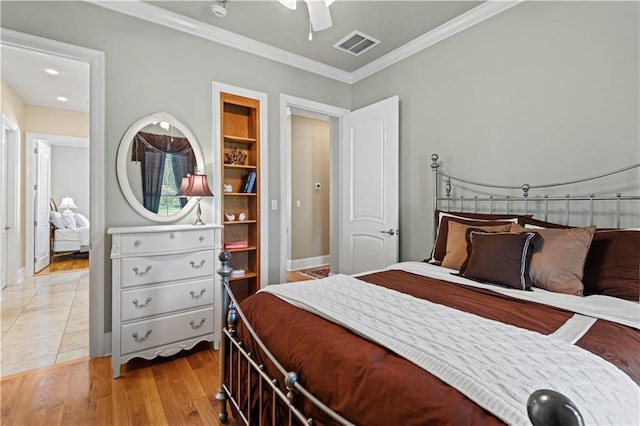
column 496, row 365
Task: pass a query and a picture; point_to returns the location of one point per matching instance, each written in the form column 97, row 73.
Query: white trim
column 309, row 262
column 13, row 172
column 157, row 15
column 264, row 170
column 291, row 103
column 96, row 61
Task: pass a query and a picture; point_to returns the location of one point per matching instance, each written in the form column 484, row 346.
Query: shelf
column 240, row 222
column 250, row 248
column 239, row 193
column 239, row 139
column 244, row 277
column 239, row 166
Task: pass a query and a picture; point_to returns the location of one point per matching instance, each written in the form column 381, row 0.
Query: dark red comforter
column 369, row 385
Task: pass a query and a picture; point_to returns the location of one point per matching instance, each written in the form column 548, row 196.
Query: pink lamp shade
column 184, row 185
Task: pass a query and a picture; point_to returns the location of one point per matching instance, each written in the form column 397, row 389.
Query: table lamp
column 195, row 186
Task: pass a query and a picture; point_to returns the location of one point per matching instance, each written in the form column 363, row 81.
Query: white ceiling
column 268, row 29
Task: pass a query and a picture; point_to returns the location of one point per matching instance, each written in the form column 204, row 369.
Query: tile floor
column 45, row 320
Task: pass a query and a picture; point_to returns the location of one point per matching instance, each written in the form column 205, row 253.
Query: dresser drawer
column 156, row 269
column 162, row 331
column 196, row 239
column 157, row 300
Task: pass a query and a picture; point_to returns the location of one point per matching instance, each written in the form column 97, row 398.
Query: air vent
column 356, row 43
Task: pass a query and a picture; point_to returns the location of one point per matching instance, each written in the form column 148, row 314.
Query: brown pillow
column 440, row 245
column 500, row 258
column 558, row 259
column 456, row 252
column 612, row 266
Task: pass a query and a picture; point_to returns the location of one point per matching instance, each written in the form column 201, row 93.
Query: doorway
column 96, row 61
column 302, row 107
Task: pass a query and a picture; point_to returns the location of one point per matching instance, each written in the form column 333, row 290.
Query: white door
column 41, row 206
column 370, row 187
column 4, row 201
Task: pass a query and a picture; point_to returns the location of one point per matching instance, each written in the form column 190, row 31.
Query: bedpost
column 224, row 272
column 434, row 169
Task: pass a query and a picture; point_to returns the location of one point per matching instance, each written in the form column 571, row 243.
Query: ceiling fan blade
column 319, row 14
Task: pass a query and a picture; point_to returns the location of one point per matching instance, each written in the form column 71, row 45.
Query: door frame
column 98, row 339
column 14, row 272
column 335, row 114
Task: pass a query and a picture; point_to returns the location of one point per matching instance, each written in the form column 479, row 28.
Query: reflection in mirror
column 160, row 157
column 154, row 155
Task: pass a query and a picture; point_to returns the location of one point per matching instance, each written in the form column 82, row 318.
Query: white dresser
column 165, row 290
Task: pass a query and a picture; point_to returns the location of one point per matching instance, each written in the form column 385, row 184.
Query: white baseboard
column 308, row 262
column 20, row 275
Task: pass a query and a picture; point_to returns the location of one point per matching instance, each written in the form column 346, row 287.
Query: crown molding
column 157, row 15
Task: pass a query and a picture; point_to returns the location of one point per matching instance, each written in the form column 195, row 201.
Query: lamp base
column 198, row 221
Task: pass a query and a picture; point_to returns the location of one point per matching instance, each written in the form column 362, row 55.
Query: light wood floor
column 294, row 276
column 65, row 264
column 167, row 391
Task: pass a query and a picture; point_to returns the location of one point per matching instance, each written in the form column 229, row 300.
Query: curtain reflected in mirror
column 160, row 157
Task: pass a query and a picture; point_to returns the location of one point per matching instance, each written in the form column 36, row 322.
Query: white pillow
column 56, row 219
column 68, row 220
column 81, row 221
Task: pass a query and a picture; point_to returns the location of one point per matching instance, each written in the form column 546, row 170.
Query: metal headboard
column 466, row 199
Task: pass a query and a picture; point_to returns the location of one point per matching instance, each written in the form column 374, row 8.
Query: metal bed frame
column 239, row 368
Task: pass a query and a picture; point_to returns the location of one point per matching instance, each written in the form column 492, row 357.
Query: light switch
column 297, row 203
column 274, row 204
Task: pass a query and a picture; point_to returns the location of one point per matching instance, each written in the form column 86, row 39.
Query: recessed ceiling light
column 62, row 99
column 51, row 71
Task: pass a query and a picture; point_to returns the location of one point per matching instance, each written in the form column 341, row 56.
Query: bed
column 512, row 318
column 69, row 232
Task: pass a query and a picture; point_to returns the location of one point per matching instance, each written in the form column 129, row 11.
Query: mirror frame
column 121, row 165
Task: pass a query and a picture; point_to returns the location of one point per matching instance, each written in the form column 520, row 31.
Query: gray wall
column 543, row 92
column 70, row 175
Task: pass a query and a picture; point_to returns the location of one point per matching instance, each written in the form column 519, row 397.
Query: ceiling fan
column 319, row 15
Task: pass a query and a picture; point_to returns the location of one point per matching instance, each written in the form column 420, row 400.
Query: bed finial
column 434, row 162
column 550, row 408
column 525, row 190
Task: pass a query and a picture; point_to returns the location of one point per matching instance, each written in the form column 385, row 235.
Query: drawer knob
column 141, row 339
column 201, row 239
column 172, row 235
column 197, row 296
column 137, row 243
column 195, row 326
column 140, row 305
column 194, row 266
column 141, row 273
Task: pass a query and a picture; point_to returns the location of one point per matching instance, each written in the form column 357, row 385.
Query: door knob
column 390, row 232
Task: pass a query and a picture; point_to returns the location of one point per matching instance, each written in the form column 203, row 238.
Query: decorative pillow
column 500, row 258
column 56, row 219
column 612, row 266
column 558, row 259
column 81, row 221
column 68, row 220
column 456, row 252
column 440, row 245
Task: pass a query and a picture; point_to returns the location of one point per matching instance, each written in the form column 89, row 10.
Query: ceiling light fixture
column 319, row 15
column 51, row 71
column 219, row 9
column 62, row 99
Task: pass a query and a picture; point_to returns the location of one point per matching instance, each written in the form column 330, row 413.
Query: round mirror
column 154, row 155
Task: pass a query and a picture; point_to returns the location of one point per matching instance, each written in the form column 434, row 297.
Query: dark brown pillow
column 479, row 219
column 501, row 258
column 524, row 220
column 612, row 266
